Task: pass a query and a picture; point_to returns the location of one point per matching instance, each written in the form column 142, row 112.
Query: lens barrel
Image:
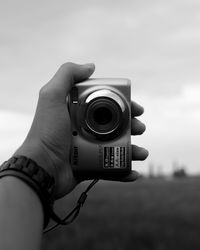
column 103, row 115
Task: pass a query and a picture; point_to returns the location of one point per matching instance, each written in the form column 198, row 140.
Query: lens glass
column 102, row 115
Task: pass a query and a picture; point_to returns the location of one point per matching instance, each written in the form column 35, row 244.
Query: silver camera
column 100, row 111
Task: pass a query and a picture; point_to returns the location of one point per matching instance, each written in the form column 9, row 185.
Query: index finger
column 136, row 109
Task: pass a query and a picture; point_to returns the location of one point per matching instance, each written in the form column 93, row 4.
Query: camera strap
column 70, row 217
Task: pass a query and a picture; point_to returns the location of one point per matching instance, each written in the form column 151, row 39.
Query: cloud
column 173, row 129
column 13, row 130
column 155, row 43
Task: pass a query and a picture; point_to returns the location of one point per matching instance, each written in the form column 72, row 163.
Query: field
column 150, row 214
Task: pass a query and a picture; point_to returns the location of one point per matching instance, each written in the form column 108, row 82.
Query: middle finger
column 137, row 127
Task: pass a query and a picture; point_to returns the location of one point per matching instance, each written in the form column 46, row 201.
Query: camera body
column 100, row 111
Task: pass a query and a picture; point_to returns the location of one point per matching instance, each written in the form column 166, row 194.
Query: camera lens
column 103, row 115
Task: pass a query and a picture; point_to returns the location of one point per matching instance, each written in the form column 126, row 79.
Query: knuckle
column 67, row 69
column 67, row 66
column 49, row 92
column 44, row 91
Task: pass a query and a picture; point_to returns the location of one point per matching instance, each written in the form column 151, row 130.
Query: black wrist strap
column 36, row 177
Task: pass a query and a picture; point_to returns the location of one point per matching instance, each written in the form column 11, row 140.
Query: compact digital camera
column 100, row 111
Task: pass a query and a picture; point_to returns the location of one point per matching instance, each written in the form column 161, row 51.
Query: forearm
column 21, row 216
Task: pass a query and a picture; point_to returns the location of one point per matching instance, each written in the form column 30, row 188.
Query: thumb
column 69, row 74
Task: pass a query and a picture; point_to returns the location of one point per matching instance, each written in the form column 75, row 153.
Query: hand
column 49, row 139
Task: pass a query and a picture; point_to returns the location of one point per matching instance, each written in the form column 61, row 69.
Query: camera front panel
column 100, row 111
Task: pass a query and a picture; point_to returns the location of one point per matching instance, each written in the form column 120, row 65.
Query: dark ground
column 150, row 214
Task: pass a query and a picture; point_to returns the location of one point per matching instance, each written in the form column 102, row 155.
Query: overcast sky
column 154, row 43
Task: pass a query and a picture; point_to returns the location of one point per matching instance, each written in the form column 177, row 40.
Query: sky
column 154, row 43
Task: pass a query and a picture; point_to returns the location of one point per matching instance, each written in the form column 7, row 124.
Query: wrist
column 35, row 176
column 20, row 208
